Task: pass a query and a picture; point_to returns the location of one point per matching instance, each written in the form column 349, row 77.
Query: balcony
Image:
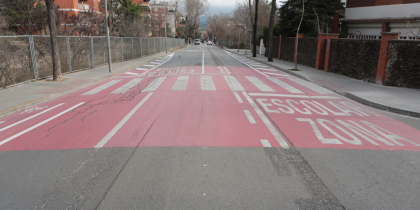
column 83, row 6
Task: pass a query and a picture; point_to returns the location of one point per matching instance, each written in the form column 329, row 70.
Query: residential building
column 74, row 7
column 368, row 18
column 160, row 11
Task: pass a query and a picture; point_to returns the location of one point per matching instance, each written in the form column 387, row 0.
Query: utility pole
column 107, row 36
column 166, row 38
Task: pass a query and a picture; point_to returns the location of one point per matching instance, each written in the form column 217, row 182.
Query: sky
column 225, row 6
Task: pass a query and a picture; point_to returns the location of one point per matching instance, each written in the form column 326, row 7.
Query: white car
column 209, row 43
column 197, row 42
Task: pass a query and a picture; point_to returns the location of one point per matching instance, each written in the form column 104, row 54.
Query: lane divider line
column 238, row 97
column 16, row 123
column 265, row 143
column 122, row 122
column 249, row 116
column 293, row 96
column 170, row 56
column 267, row 123
column 39, row 124
column 247, row 65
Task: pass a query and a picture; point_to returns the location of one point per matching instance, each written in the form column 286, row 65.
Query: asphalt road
column 206, row 129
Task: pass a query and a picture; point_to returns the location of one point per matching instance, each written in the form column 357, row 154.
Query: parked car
column 197, row 42
column 209, row 43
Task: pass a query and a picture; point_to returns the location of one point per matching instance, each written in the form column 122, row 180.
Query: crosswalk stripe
column 131, row 73
column 102, row 87
column 221, row 69
column 155, row 63
column 181, row 83
column 285, row 85
column 150, row 65
column 207, row 83
column 227, row 70
column 127, row 86
column 154, row 84
column 260, row 85
column 141, row 69
column 311, row 86
column 265, row 143
column 285, row 75
column 234, row 84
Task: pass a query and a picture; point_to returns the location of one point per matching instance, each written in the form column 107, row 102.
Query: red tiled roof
column 381, row 20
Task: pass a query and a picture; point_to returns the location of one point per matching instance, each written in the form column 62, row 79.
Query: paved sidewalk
column 28, row 94
column 399, row 100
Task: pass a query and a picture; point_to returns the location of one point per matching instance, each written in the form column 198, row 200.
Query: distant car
column 209, row 43
column 197, row 42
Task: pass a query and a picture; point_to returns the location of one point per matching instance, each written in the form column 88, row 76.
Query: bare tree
column 193, row 9
column 270, row 31
column 55, row 53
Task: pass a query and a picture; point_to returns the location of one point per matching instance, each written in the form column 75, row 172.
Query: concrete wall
column 388, row 11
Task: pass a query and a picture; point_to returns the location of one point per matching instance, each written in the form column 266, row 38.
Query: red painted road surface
column 181, row 106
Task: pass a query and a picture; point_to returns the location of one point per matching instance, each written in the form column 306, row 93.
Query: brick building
column 161, row 11
column 74, row 7
column 371, row 17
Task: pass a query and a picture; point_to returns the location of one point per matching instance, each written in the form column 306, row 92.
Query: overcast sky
column 225, row 6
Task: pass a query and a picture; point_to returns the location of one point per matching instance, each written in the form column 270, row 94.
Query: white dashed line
column 238, row 97
column 265, row 143
column 293, row 96
column 249, row 116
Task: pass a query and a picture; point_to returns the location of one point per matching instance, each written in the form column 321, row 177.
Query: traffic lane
column 218, row 178
column 368, row 179
column 193, row 56
column 58, row 179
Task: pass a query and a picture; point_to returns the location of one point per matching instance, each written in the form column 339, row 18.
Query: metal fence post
column 154, row 45
column 92, row 51
column 148, row 47
column 33, row 56
column 141, row 49
column 122, row 50
column 132, row 46
column 68, row 53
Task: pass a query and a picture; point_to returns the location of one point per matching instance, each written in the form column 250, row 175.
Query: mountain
column 203, row 22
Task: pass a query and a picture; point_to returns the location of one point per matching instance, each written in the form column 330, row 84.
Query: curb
column 25, row 105
column 348, row 95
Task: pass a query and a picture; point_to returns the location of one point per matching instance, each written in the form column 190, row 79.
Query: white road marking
column 246, row 64
column 238, row 97
column 2, row 122
column 155, row 62
column 260, row 85
column 160, row 60
column 285, row 85
column 102, row 87
column 153, row 86
column 267, row 123
column 39, row 124
column 141, row 69
column 150, row 65
column 19, row 122
column 284, row 75
column 130, row 73
column 293, row 96
column 170, row 56
column 257, row 66
column 311, row 86
column 249, row 116
column 181, row 83
column 221, row 70
column 265, row 143
column 122, row 122
column 227, row 70
column 233, row 83
column 127, row 86
column 202, row 62
column 207, row 83
column 267, row 69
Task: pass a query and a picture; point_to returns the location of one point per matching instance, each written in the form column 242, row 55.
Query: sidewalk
column 28, row 94
column 399, row 100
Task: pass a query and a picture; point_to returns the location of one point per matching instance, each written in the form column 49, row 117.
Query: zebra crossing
column 207, row 83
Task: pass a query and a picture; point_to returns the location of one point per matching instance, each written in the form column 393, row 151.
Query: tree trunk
column 55, row 54
column 254, row 32
column 270, row 31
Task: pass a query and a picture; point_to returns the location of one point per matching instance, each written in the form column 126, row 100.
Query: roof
column 381, row 20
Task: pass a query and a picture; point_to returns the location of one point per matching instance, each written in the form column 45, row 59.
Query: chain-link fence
column 24, row 58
